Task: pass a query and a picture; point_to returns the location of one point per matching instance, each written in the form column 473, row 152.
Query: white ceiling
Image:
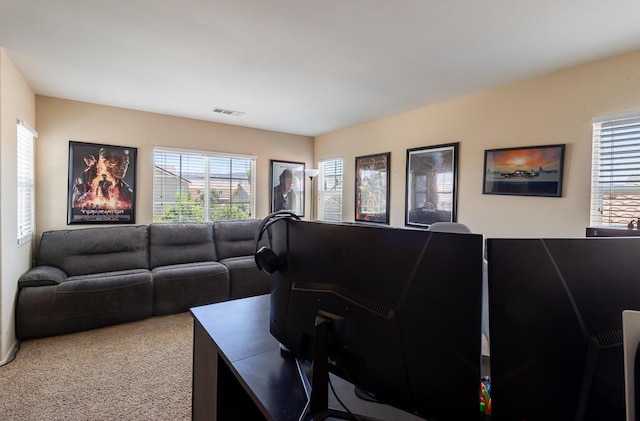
column 301, row 66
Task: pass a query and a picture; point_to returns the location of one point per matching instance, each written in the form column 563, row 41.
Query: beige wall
column 17, row 101
column 60, row 121
column 555, row 108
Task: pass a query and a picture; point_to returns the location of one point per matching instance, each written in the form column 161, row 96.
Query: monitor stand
column 317, row 407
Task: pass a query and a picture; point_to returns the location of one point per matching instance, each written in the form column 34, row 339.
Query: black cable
column 354, row 416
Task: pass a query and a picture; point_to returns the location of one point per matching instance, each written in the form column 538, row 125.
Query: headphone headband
column 271, row 219
column 265, row 258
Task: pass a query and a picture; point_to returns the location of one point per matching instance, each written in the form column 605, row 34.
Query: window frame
column 25, row 182
column 207, row 186
column 321, row 191
column 615, row 200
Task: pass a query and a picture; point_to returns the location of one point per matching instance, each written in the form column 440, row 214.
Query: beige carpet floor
column 134, row 371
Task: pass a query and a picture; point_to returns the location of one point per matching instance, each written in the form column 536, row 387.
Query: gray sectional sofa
column 93, row 277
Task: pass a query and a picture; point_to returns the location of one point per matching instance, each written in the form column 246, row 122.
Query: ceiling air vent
column 227, row 112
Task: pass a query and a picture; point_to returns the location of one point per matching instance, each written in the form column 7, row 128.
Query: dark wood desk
column 239, row 374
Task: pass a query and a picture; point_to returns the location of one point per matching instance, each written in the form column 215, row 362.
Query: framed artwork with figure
column 287, row 186
column 431, row 184
column 101, row 184
column 372, row 188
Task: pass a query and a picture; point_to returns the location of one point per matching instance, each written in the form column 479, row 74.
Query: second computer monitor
column 556, row 326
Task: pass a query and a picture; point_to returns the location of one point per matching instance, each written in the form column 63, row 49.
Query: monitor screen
column 555, row 308
column 405, row 306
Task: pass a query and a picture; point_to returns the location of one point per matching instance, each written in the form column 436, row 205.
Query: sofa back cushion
column 235, row 238
column 172, row 244
column 95, row 250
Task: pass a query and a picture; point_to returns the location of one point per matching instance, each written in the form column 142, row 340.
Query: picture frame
column 524, row 171
column 372, row 188
column 431, row 185
column 289, row 176
column 101, row 184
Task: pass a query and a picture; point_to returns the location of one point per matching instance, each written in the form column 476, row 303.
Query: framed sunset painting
column 524, row 171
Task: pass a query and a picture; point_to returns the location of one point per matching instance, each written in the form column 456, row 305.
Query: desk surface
column 240, row 329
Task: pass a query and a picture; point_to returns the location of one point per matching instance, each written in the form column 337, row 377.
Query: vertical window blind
column 25, row 182
column 330, row 190
column 195, row 186
column 615, row 170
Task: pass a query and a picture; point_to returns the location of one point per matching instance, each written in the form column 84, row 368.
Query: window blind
column 196, row 186
column 25, row 183
column 330, row 184
column 615, row 182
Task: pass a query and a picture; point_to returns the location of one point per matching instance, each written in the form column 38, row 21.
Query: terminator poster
column 102, row 182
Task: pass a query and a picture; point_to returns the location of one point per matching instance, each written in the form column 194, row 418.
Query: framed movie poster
column 101, row 184
column 524, row 171
column 287, row 186
column 372, row 188
column 431, row 184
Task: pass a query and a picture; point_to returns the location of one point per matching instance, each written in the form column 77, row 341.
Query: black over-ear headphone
column 266, row 259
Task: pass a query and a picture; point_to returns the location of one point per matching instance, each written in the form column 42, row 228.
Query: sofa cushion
column 84, row 302
column 171, row 244
column 95, row 250
column 177, row 288
column 235, row 238
column 246, row 279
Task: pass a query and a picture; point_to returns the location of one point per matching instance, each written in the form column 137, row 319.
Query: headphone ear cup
column 266, row 260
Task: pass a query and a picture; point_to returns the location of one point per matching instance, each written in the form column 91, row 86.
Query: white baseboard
column 11, row 354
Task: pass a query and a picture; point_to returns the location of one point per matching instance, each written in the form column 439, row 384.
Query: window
column 330, row 190
column 615, row 170
column 195, row 186
column 444, row 187
column 26, row 184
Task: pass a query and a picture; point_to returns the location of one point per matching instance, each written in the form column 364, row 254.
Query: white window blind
column 25, row 182
column 615, row 170
column 330, row 189
column 195, row 186
column 444, row 186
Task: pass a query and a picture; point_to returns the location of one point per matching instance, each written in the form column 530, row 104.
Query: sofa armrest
column 41, row 276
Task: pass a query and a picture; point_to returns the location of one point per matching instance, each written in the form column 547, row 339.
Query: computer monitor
column 403, row 309
column 556, row 326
